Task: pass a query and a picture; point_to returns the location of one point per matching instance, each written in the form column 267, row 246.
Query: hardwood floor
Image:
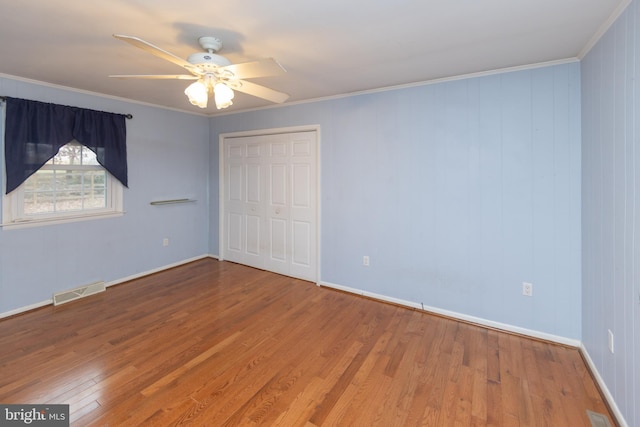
column 220, row 344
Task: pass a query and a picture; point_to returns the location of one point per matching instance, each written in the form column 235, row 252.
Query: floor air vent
column 81, row 292
column 598, row 420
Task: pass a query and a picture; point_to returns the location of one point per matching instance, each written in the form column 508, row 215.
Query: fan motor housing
column 206, row 60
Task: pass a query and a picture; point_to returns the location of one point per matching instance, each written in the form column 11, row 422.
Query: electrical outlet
column 527, row 289
column 610, row 340
column 165, row 242
column 365, row 260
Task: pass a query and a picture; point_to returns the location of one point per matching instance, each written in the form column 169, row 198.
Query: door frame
column 221, row 182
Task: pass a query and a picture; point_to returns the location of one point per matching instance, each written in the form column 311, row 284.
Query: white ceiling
column 328, row 47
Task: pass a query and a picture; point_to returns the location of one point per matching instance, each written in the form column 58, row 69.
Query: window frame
column 13, row 215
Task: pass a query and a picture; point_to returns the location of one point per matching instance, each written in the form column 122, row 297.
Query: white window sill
column 39, row 222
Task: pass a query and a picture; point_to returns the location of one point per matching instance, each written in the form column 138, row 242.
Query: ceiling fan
column 214, row 74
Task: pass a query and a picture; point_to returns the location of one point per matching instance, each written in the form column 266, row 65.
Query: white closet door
column 303, row 205
column 244, row 203
column 270, row 213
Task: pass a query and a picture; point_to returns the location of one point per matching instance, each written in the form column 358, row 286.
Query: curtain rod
column 128, row 116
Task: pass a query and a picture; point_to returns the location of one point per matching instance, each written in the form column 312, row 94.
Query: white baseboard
column 26, row 308
column 472, row 319
column 603, row 387
column 107, row 284
column 155, row 270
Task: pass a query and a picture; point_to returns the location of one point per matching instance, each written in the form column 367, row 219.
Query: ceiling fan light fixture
column 223, row 95
column 214, row 74
column 198, row 94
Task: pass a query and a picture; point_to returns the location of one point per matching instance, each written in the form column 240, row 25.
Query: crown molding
column 604, row 28
column 405, row 86
column 90, row 93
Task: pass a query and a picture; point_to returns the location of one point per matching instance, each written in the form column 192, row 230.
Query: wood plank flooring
column 219, row 344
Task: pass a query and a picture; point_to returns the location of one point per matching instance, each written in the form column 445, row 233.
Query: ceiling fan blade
column 261, row 68
column 155, row 50
column 260, row 91
column 156, row 76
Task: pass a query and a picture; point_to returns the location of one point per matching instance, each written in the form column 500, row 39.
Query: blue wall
column 168, row 157
column 611, row 209
column 458, row 191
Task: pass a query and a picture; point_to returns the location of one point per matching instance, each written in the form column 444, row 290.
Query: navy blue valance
column 35, row 131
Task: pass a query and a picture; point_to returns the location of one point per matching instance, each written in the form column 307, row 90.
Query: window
column 61, row 163
column 70, row 186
